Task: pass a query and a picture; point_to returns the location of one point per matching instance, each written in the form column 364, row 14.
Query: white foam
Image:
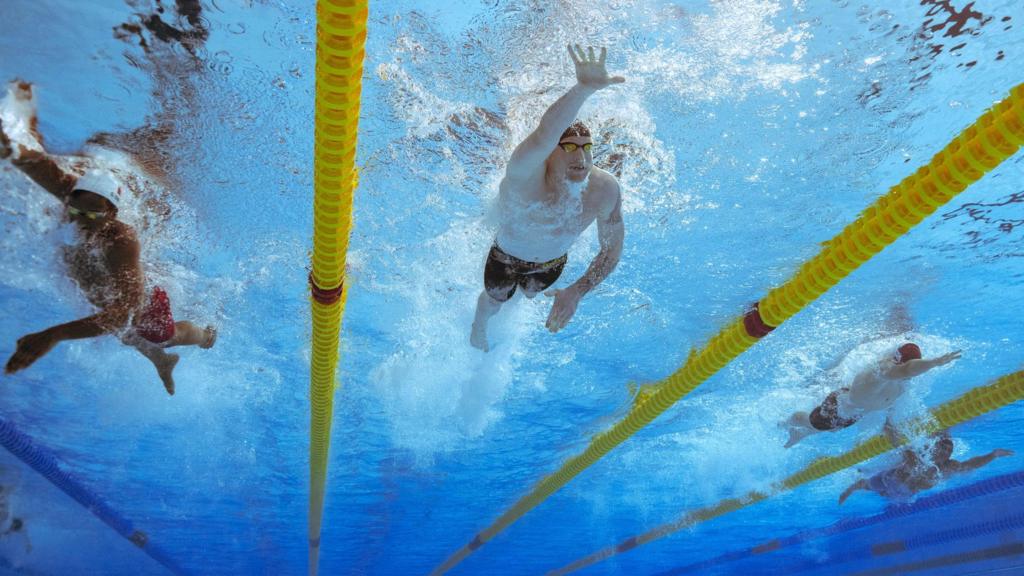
column 436, row 389
column 17, row 108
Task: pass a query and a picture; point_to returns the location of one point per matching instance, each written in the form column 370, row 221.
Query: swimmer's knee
column 529, row 294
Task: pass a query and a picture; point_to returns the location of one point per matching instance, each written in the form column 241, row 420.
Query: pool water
column 747, row 133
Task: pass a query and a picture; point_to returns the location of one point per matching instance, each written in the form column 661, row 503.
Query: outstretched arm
column 912, row 368
column 122, row 260
column 957, row 467
column 44, row 171
column 591, row 76
column 30, row 157
column 610, row 233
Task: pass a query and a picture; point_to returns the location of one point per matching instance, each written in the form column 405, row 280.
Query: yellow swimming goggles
column 87, row 213
column 572, row 146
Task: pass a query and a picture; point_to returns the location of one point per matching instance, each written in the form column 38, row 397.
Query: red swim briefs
column 155, row 323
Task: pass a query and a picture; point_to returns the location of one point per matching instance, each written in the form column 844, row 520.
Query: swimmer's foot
column 478, row 337
column 794, row 437
column 211, row 338
column 165, row 368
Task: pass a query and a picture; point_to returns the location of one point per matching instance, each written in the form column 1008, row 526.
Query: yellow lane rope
column 341, row 35
column 995, row 136
column 976, row 402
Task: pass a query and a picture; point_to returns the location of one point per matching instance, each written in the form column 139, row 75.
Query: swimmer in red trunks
column 874, row 389
column 104, row 263
column 914, row 474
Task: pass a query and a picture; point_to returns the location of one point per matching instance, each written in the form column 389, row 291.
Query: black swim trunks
column 826, row 417
column 504, row 272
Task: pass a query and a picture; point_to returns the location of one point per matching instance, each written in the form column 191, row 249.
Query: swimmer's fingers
column 563, row 308
column 556, row 316
column 951, row 356
column 572, row 54
column 551, row 323
column 602, row 63
column 590, row 54
column 580, row 55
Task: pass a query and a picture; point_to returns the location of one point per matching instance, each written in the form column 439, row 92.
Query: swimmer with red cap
column 874, row 389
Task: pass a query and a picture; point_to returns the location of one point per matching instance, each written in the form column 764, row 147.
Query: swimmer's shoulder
column 601, row 179
column 121, row 236
column 526, row 190
column 604, row 188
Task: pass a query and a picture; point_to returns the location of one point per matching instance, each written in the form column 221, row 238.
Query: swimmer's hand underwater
column 590, row 71
column 563, row 308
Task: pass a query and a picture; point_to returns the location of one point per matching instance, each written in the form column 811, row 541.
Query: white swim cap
column 101, row 182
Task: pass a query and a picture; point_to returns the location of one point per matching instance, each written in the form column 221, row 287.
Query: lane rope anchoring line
column 994, row 137
column 340, row 48
column 43, row 461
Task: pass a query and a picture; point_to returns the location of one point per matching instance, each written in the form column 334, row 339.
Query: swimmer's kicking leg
column 162, row 361
column 799, row 428
column 188, row 334
column 185, row 334
column 486, row 306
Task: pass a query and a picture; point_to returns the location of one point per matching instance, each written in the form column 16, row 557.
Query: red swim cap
column 907, row 352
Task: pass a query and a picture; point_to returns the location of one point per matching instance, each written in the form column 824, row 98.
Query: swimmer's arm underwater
column 957, row 467
column 122, row 259
column 591, row 76
column 610, row 233
column 45, row 172
column 38, row 166
column 916, row 367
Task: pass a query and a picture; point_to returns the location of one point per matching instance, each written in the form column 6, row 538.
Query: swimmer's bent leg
column 162, row 361
column 799, row 428
column 188, row 334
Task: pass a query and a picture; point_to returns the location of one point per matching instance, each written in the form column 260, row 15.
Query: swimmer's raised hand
column 590, row 70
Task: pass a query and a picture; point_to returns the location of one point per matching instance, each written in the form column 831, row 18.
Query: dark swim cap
column 907, row 352
column 577, row 129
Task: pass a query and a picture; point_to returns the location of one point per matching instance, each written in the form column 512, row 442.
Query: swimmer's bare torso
column 540, row 220
column 90, row 261
column 875, row 388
